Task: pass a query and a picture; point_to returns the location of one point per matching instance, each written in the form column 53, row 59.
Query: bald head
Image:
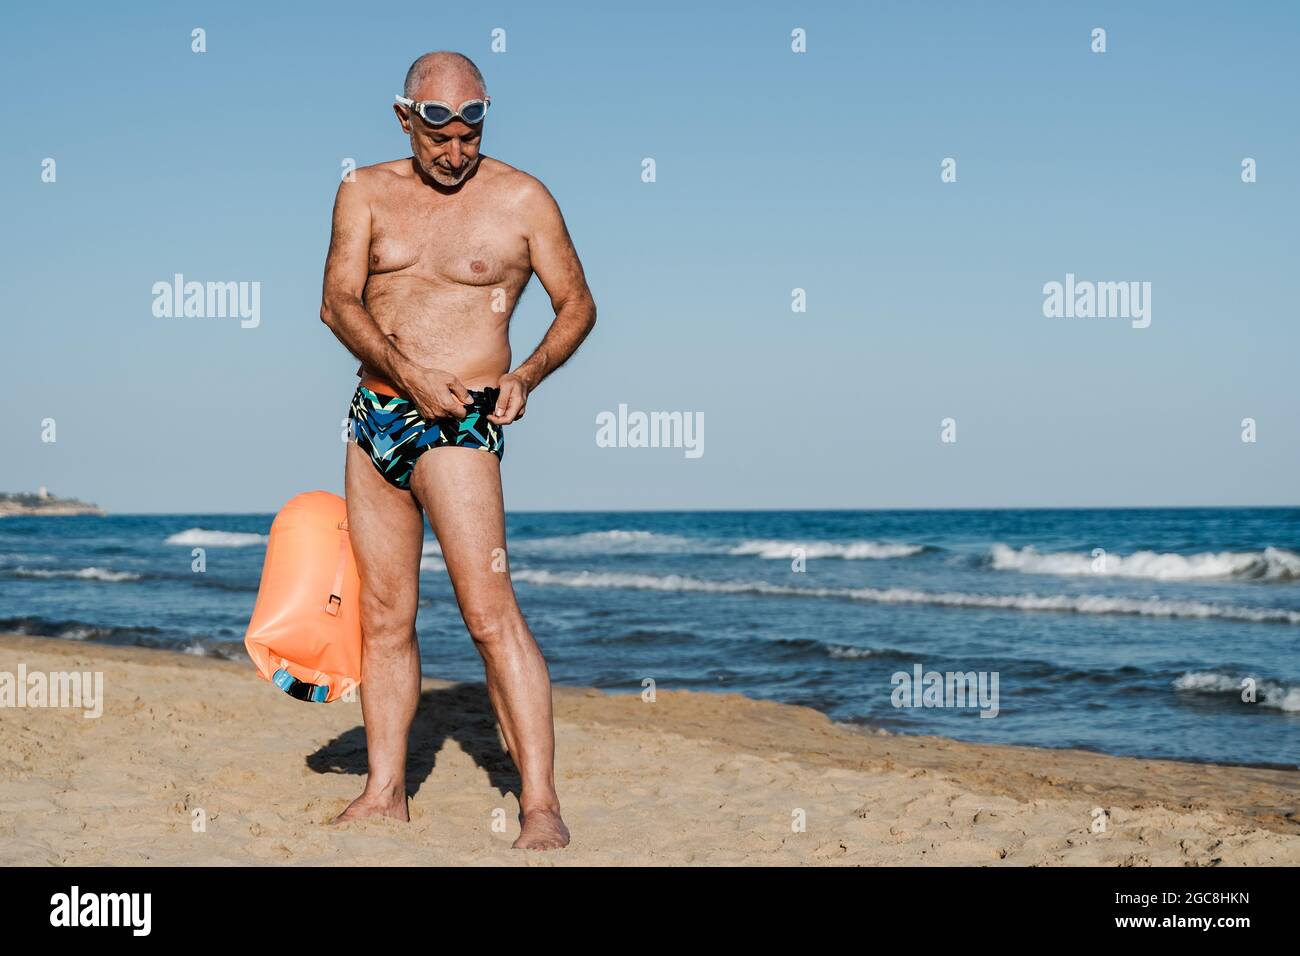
column 442, row 70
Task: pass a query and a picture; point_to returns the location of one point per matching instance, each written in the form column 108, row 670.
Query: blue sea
column 1123, row 631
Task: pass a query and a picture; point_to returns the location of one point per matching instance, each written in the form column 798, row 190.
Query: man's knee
column 490, row 626
column 385, row 622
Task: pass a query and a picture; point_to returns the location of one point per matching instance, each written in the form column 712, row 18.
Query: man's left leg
column 460, row 491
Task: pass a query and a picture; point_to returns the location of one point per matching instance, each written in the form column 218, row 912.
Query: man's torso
column 445, row 271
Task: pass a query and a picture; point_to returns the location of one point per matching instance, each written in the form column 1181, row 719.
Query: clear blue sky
column 775, row 171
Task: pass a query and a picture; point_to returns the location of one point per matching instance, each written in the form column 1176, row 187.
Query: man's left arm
column 556, row 264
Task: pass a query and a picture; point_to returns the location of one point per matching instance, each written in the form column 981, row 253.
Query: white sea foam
column 1073, row 603
column 844, row 652
column 589, row 543
column 202, row 537
column 595, row 542
column 620, row 541
column 432, row 563
column 848, row 550
column 1271, row 564
column 85, row 574
column 1268, row 693
column 614, row 541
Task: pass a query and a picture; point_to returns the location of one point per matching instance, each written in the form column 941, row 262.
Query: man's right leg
column 387, row 532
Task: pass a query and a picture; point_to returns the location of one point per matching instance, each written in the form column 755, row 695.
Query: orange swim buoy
column 305, row 634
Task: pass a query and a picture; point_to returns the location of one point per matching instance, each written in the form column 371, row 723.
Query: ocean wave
column 618, row 541
column 837, row 651
column 1268, row 693
column 85, row 574
column 1271, row 564
column 78, row 630
column 1076, row 604
column 145, row 636
column 846, row 653
column 225, row 651
column 614, row 541
column 202, row 537
column 847, row 550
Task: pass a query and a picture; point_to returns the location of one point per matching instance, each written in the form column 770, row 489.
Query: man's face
column 447, row 154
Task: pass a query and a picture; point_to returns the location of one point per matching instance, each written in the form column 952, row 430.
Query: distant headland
column 43, row 503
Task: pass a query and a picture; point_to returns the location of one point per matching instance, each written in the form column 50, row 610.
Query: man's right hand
column 436, row 393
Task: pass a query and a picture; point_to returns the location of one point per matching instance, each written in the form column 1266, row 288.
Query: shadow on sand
column 462, row 713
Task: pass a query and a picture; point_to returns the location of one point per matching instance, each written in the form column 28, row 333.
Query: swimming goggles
column 437, row 113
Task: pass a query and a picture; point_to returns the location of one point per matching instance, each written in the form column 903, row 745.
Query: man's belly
column 456, row 332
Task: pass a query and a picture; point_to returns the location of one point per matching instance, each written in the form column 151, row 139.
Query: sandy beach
column 691, row 778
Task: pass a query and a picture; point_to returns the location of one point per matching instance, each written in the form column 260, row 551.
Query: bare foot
column 541, row 830
column 375, row 806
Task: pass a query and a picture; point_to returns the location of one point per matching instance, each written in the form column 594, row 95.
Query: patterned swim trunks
column 391, row 430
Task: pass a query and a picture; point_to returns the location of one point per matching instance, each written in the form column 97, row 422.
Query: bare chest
column 450, row 239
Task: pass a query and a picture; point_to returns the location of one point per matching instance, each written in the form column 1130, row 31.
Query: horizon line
column 763, row 510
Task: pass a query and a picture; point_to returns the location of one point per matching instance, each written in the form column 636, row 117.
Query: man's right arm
column 346, row 272
column 347, row 267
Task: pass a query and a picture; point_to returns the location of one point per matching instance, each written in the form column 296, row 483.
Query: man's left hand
column 511, row 401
